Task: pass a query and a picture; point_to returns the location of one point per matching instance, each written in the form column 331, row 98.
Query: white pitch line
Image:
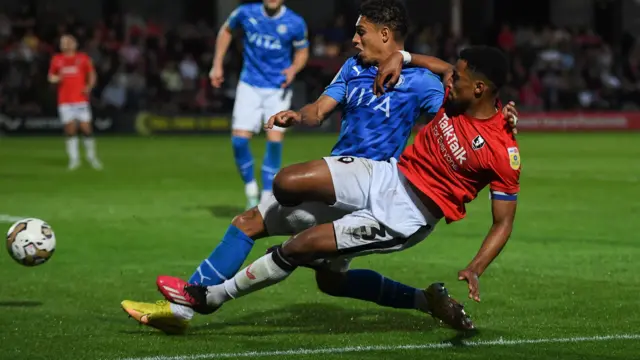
column 355, row 349
column 4, row 218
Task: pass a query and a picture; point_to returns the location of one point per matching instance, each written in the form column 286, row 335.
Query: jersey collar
column 279, row 14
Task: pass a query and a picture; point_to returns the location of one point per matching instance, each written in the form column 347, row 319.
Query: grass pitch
column 161, row 204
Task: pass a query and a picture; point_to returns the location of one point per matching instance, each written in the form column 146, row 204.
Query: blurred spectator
column 189, row 71
column 506, row 39
column 114, row 95
column 143, row 62
column 171, row 78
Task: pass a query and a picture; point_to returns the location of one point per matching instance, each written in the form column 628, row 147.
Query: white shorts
column 375, row 211
column 254, row 106
column 74, row 112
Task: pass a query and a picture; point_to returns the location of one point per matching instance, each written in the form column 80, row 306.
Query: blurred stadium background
column 565, row 287
column 153, row 57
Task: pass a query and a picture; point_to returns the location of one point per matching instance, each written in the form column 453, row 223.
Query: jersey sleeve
column 432, row 96
column 505, row 183
column 338, row 87
column 54, row 66
column 237, row 16
column 301, row 36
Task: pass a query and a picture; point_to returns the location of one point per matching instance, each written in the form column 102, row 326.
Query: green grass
column 162, row 204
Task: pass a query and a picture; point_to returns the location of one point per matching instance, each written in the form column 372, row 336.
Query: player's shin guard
column 268, row 270
column 244, row 158
column 271, row 165
column 225, row 260
column 369, row 285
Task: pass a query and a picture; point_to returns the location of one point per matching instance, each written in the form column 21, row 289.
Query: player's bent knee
column 250, row 223
column 310, row 181
column 285, row 188
column 330, row 282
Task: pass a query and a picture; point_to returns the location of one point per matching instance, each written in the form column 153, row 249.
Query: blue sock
column 225, row 260
column 271, row 164
column 243, row 157
column 369, row 285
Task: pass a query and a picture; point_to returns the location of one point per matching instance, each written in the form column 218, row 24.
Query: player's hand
column 511, row 114
column 471, row 278
column 290, row 75
column 388, row 73
column 54, row 79
column 87, row 90
column 216, row 75
column 283, row 119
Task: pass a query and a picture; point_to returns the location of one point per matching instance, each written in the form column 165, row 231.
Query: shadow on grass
column 318, row 318
column 219, row 211
column 20, row 303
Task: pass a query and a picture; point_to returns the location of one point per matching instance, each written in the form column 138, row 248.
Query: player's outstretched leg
column 222, row 263
column 315, row 243
column 369, row 285
column 71, row 133
column 244, row 163
column 272, row 161
column 90, row 145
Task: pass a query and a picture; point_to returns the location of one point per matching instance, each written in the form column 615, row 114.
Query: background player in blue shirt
column 373, row 127
column 275, row 50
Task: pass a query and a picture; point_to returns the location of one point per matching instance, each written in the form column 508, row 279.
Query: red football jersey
column 452, row 159
column 74, row 71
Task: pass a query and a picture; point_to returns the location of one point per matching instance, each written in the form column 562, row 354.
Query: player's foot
column 158, row 315
column 95, row 163
column 73, row 165
column 446, row 309
column 177, row 291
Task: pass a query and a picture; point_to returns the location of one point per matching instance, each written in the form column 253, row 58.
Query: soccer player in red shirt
column 75, row 76
column 393, row 205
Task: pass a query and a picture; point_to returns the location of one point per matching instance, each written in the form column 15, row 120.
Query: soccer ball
column 31, row 242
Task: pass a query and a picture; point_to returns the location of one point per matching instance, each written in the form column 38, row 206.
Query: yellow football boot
column 156, row 315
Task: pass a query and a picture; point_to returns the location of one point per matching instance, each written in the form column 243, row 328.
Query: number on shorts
column 371, row 232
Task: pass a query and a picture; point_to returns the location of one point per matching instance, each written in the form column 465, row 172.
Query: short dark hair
column 489, row 62
column 391, row 13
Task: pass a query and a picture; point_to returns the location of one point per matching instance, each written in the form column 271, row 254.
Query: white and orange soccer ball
column 31, row 242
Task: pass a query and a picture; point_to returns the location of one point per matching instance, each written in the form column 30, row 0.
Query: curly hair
column 488, row 62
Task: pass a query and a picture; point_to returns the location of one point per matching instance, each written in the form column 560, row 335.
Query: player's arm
column 300, row 55
column 504, row 212
column 52, row 75
column 311, row 114
column 389, row 70
column 300, row 58
column 389, row 73
column 92, row 77
column 223, row 41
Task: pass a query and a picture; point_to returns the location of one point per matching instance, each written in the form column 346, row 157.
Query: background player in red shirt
column 74, row 73
column 395, row 205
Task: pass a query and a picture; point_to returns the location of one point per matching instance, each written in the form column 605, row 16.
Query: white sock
column 90, row 147
column 181, row 311
column 265, row 195
column 260, row 274
column 251, row 189
column 72, row 148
